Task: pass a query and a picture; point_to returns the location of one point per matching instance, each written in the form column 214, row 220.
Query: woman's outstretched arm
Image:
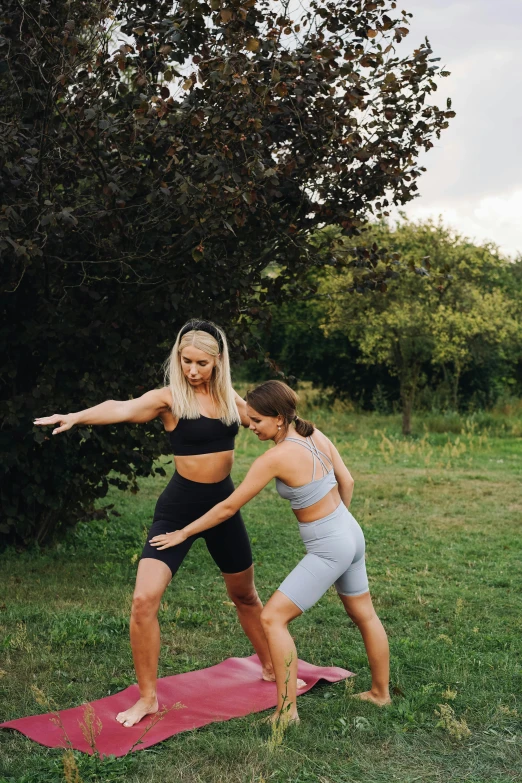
column 262, row 471
column 142, row 409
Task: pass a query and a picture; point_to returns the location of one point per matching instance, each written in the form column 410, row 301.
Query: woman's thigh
column 172, row 557
column 354, row 581
column 229, row 545
column 311, row 578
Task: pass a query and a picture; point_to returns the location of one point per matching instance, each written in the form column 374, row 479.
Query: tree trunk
column 456, row 381
column 407, row 408
column 408, row 390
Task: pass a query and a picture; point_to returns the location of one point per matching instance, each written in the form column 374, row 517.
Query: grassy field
column 442, row 516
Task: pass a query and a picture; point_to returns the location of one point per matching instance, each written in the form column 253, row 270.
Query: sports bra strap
column 318, row 453
column 315, row 452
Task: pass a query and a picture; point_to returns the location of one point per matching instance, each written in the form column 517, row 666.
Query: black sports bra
column 202, row 436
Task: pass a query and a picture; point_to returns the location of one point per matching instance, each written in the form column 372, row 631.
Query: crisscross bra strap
column 316, row 454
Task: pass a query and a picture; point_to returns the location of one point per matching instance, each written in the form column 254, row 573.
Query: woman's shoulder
column 323, row 442
column 163, row 396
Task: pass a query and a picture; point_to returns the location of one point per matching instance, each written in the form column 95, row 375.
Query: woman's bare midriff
column 205, row 468
column 322, row 508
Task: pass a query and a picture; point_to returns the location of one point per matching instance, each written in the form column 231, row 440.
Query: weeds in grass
column 50, row 705
column 349, row 686
column 456, row 728
column 280, row 724
column 157, row 718
column 449, row 694
column 91, row 727
column 41, row 699
column 505, row 710
column 71, row 772
column 19, row 640
column 443, row 637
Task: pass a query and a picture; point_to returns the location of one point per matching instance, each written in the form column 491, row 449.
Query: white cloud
column 474, row 173
column 491, row 218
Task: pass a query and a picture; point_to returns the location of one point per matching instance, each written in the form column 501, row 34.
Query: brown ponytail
column 275, row 398
column 303, row 427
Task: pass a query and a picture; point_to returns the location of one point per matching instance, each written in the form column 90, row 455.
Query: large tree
column 155, row 158
column 453, row 304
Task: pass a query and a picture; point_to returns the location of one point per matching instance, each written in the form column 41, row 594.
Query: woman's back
column 307, row 475
column 321, row 482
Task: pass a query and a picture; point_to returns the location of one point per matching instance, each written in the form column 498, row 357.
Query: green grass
column 442, row 518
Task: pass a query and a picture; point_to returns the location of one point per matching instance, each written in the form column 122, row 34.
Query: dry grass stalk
column 455, row 728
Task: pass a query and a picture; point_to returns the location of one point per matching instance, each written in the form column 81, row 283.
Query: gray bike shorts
column 335, row 547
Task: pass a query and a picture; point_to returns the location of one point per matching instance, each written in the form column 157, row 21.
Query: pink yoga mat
column 231, row 689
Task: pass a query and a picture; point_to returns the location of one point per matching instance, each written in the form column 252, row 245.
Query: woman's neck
column 279, row 438
column 203, row 390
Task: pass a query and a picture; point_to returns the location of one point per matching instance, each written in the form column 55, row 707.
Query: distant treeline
column 446, row 334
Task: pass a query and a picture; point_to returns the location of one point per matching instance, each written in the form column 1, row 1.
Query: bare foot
column 269, row 676
column 267, row 673
column 133, row 715
column 380, row 701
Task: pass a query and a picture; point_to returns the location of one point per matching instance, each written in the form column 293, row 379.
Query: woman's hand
column 166, row 540
column 66, row 421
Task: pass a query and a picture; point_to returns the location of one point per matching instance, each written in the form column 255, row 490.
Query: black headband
column 203, row 326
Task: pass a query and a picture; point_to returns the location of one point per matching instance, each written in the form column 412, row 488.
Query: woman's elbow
column 348, row 483
column 227, row 510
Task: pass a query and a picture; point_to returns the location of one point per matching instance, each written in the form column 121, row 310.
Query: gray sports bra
column 308, row 494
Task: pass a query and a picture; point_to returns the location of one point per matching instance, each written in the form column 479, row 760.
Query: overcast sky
column 474, row 174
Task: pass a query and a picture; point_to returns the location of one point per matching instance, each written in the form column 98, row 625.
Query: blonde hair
column 184, row 401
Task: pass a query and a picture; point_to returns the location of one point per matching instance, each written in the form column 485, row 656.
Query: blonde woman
column 201, row 414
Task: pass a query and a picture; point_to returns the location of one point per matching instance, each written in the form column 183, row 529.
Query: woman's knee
column 359, row 608
column 243, row 596
column 271, row 619
column 144, row 606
